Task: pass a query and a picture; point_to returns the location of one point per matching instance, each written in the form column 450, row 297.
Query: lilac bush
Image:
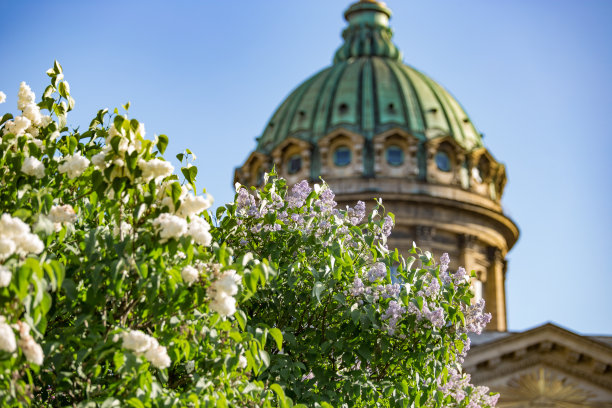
column 119, row 288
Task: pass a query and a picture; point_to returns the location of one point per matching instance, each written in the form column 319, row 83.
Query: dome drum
column 439, row 161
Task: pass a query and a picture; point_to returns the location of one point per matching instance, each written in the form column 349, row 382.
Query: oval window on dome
column 395, row 155
column 295, row 164
column 342, row 156
column 443, row 161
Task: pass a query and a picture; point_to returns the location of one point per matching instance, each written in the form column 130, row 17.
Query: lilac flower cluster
column 456, row 386
column 377, row 271
column 394, row 314
column 387, row 226
column 435, row 316
column 355, row 215
column 298, row 194
column 390, row 290
column 326, row 202
column 475, row 319
column 246, row 204
column 358, row 288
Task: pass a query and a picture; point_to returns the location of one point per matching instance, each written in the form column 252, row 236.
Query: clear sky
column 535, row 77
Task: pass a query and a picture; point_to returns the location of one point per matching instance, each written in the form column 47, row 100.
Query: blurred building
column 372, row 126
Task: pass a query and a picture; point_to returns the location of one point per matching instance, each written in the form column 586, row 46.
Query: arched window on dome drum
column 294, row 165
column 342, row 156
column 443, row 161
column 395, row 155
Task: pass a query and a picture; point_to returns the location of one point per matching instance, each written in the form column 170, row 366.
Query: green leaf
column 162, row 143
column 277, row 335
column 63, row 89
column 265, row 357
column 280, row 393
column 318, row 288
column 241, row 319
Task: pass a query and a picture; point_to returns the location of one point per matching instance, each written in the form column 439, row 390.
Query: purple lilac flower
column 444, row 261
column 378, row 271
column 245, row 202
column 277, row 201
column 433, row 288
column 475, row 319
column 326, row 201
column 355, row 215
column 460, row 275
column 393, row 313
column 387, row 226
column 436, row 317
column 358, row 287
column 298, row 194
column 390, row 291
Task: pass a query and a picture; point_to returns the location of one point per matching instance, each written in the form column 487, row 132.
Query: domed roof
column 369, row 90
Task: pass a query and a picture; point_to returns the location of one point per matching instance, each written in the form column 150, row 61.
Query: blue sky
column 534, row 76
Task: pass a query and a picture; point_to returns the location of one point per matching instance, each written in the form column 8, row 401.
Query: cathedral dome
column 374, row 127
column 369, row 90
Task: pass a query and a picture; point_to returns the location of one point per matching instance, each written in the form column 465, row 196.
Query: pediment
column 545, row 366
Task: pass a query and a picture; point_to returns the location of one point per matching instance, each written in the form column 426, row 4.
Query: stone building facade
column 372, row 127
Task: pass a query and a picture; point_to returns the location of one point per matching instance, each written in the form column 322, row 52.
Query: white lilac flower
column 227, row 283
column 5, row 277
column 17, row 126
column 7, row 336
column 7, row 247
column 122, row 229
column 29, row 244
column 25, row 96
column 2, row 97
column 198, row 229
column 45, row 121
column 155, row 169
column 158, row 355
column 143, row 344
column 170, row 226
column 33, row 167
column 32, row 350
column 62, row 214
column 242, row 362
column 223, row 304
column 190, row 274
column 192, row 205
column 15, row 237
column 73, row 165
column 32, row 112
column 136, row 341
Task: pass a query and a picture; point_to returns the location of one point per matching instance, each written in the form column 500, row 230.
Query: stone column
column 495, row 290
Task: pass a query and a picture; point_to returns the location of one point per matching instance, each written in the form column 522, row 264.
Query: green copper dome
column 368, row 90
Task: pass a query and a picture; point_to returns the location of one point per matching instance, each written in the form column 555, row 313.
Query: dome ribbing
column 368, row 90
